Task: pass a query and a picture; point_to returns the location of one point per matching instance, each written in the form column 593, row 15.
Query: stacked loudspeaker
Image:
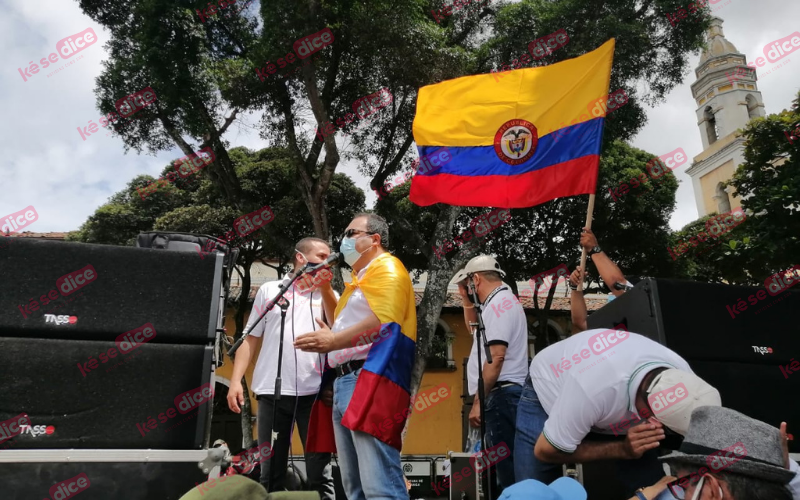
column 736, row 338
column 99, row 346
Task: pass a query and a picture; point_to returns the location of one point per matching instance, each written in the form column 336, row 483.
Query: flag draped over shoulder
column 380, row 402
column 517, row 138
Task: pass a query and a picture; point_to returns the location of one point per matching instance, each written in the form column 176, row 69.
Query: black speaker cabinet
column 76, row 291
column 157, row 478
column 101, row 345
column 740, row 339
column 71, row 405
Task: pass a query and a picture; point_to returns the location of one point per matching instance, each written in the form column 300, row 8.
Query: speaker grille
column 178, row 292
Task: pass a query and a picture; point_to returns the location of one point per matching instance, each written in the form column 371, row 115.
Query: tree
column 157, row 45
column 722, row 259
column 769, row 186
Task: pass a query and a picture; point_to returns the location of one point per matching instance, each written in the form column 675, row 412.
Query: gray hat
column 724, row 440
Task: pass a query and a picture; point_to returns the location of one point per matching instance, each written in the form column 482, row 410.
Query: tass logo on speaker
column 61, row 319
column 37, row 430
column 67, row 489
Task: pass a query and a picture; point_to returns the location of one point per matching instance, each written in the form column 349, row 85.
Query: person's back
column 592, row 374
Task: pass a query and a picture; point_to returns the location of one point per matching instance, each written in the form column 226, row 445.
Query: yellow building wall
column 226, row 370
column 437, row 430
column 434, row 431
column 709, row 182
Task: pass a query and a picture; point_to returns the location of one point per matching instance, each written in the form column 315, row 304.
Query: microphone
column 331, row 261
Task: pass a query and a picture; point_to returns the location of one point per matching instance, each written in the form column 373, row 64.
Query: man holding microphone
column 372, row 387
column 300, row 371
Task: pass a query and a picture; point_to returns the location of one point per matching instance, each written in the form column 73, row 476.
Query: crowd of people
column 592, row 396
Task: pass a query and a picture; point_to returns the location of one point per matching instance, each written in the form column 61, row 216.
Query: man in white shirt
column 507, row 337
column 300, row 373
column 371, row 399
column 604, row 382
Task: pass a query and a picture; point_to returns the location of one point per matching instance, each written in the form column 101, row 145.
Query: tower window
column 722, row 199
column 711, row 126
column 752, row 106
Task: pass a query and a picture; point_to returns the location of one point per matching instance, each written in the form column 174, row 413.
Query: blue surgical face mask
column 348, row 250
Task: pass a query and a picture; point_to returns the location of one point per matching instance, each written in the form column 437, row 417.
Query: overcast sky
column 50, row 166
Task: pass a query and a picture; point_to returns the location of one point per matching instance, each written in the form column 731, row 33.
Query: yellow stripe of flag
column 467, row 111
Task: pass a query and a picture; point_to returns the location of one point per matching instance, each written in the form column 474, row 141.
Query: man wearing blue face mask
column 372, row 387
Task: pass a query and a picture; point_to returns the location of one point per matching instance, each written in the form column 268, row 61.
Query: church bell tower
column 727, row 98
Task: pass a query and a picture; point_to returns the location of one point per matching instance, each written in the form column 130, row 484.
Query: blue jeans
column 370, row 468
column 501, row 424
column 531, row 417
column 530, row 422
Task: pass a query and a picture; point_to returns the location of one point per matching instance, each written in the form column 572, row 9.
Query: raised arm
column 605, row 267
column 577, row 303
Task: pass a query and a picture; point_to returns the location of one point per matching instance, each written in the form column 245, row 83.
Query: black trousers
column 318, row 465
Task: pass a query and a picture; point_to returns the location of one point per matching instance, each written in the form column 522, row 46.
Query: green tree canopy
column 769, row 185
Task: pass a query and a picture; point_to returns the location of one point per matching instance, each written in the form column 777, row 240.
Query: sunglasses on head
column 352, row 232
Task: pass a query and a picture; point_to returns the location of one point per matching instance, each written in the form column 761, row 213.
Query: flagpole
column 589, row 213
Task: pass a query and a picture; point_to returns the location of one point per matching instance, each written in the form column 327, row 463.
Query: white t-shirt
column 356, row 310
column 505, row 324
column 300, row 377
column 585, row 386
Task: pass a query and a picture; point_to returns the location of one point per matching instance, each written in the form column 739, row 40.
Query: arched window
column 752, row 106
column 722, row 199
column 441, row 350
column 553, row 335
column 711, row 126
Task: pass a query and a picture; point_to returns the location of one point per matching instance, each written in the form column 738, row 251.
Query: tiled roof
column 46, row 236
column 593, row 303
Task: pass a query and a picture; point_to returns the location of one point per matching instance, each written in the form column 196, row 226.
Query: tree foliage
column 196, row 205
column 204, row 74
column 769, row 185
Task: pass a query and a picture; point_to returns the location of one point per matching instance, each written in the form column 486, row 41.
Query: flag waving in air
column 518, row 141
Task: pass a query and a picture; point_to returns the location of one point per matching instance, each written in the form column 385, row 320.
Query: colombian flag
column 517, row 138
column 381, row 399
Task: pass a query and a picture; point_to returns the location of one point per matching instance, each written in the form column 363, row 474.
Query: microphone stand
column 480, row 337
column 284, row 305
